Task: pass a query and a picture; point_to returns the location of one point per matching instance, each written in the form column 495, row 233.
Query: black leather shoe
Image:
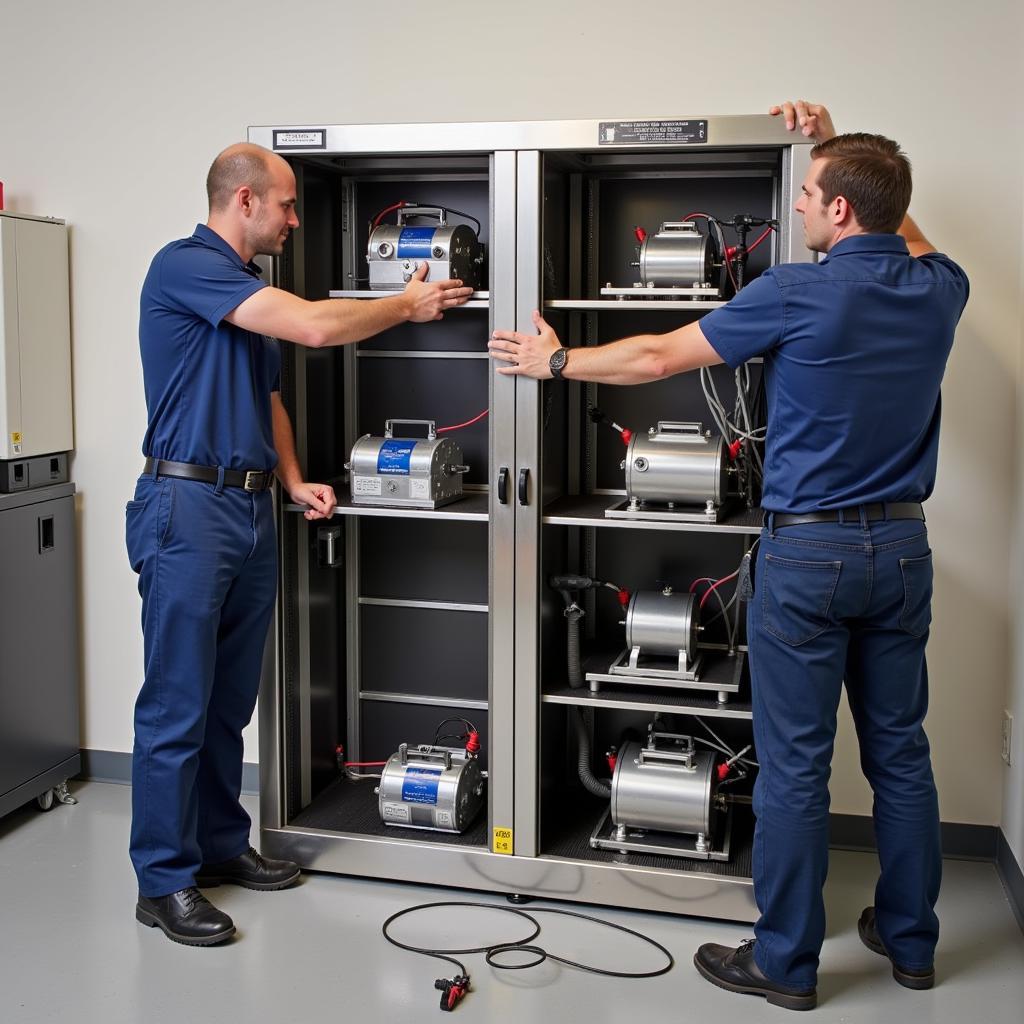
column 251, row 870
column 736, row 971
column 906, row 976
column 185, row 916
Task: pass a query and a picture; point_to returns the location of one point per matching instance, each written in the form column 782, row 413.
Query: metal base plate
column 668, row 844
column 663, row 514
column 638, row 291
column 654, row 671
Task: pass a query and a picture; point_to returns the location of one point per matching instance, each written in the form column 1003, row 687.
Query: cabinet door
column 38, row 640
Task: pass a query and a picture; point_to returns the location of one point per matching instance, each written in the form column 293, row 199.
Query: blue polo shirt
column 854, row 349
column 208, row 382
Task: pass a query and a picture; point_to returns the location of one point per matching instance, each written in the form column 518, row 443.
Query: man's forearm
column 635, row 360
column 347, row 320
column 916, row 242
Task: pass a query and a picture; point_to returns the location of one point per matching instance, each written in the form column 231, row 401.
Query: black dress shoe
column 736, row 971
column 185, row 916
column 251, row 870
column 906, row 976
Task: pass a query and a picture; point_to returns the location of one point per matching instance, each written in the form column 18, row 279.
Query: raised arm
column 815, row 122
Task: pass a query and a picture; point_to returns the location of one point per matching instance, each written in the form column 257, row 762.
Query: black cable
column 410, row 211
column 525, row 944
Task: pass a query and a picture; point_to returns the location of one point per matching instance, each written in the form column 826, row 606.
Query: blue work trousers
column 207, row 563
column 832, row 602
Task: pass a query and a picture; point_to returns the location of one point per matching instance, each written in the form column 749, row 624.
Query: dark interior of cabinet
column 406, row 373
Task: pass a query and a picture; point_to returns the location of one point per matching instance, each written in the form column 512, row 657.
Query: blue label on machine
column 415, row 242
column 393, row 457
column 420, row 785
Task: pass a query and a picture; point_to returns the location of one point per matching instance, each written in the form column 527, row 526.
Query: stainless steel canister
column 395, row 251
column 677, row 256
column 437, row 788
column 666, row 785
column 663, row 622
column 676, row 462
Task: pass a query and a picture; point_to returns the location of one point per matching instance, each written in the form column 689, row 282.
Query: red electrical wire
column 760, row 238
column 702, row 579
column 459, row 426
column 387, row 210
column 712, row 589
column 365, row 764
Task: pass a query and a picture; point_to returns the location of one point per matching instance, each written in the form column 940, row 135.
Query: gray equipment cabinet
column 39, row 743
column 391, row 619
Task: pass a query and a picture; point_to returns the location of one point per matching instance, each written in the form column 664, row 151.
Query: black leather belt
column 875, row 512
column 247, row 479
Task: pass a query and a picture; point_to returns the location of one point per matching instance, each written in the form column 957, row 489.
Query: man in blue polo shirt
column 854, row 349
column 200, row 530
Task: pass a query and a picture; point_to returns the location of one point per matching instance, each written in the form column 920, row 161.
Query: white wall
column 112, row 112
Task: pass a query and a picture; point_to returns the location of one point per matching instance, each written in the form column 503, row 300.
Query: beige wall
column 112, row 111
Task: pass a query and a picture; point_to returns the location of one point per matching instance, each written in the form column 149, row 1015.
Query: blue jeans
column 832, row 602
column 207, row 565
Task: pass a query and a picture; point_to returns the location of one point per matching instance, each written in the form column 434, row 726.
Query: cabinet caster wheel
column 518, row 898
column 46, row 801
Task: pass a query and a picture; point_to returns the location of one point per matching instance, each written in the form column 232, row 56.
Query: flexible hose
column 591, row 783
column 573, row 614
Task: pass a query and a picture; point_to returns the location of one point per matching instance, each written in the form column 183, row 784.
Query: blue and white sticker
column 393, row 457
column 415, row 242
column 420, row 785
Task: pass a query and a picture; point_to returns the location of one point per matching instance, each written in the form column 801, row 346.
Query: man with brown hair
column 200, row 530
column 854, row 349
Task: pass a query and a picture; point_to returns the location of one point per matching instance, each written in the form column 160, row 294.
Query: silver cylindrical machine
column 395, row 251
column 677, row 256
column 676, row 463
column 428, row 787
column 407, row 471
column 665, row 785
column 662, row 622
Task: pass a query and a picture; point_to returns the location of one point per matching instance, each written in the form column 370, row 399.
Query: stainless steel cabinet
column 391, row 620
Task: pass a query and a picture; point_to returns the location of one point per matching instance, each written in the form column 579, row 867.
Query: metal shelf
column 478, row 300
column 719, row 667
column 588, row 510
column 631, row 305
column 473, row 507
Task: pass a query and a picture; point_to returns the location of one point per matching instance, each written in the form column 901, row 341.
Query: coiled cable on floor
column 452, row 990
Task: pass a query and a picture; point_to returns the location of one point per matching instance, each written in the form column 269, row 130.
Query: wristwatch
column 556, row 364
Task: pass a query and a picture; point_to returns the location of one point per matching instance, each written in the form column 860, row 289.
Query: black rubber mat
column 351, row 806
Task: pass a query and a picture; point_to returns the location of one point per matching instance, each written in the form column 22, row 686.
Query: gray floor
column 70, row 948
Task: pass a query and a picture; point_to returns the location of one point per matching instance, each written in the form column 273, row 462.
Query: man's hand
column 319, row 497
column 528, row 353
column 814, row 120
column 429, row 301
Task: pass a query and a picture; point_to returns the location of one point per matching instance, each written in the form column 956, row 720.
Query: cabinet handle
column 503, row 485
column 524, row 480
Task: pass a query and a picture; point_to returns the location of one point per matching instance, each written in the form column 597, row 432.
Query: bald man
column 200, row 530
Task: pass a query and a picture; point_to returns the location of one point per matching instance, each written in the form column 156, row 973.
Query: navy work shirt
column 854, row 350
column 208, row 382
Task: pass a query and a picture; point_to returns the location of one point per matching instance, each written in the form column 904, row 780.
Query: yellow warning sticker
column 16, row 437
column 502, row 842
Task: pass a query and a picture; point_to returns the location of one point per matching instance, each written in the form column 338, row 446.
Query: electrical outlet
column 1007, row 734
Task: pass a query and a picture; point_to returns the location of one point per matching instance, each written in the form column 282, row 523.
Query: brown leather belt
column 873, row 513
column 247, row 479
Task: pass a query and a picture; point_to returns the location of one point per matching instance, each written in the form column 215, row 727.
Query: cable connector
column 611, row 755
column 473, row 742
column 452, row 990
column 339, row 757
column 641, row 235
column 735, row 448
column 723, row 771
column 623, row 596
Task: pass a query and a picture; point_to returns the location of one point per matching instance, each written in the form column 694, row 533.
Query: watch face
column 557, row 360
